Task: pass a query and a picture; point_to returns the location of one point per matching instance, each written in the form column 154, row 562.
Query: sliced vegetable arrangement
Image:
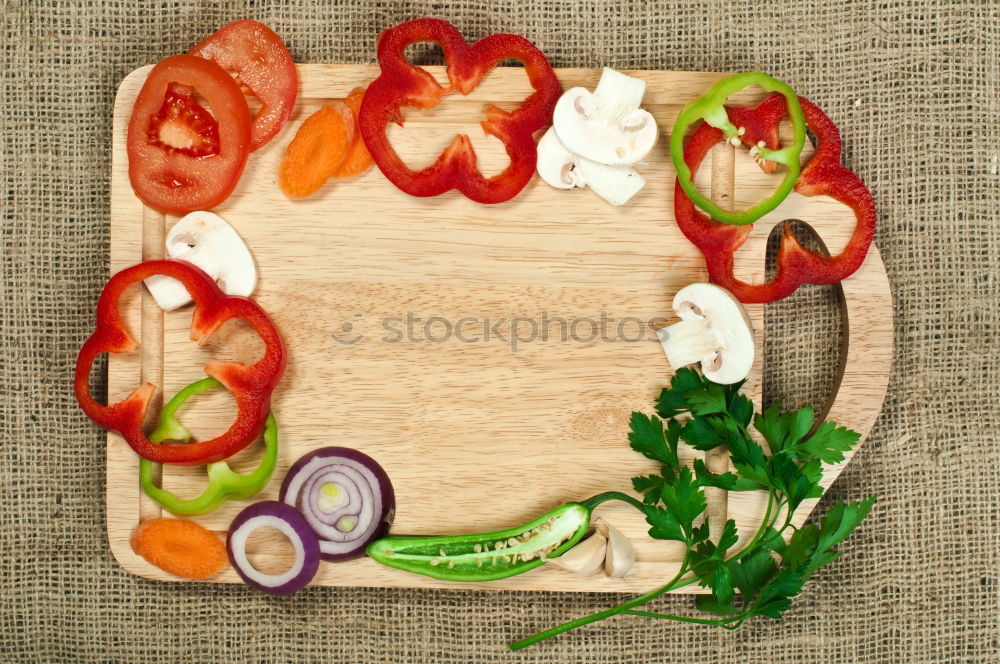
column 206, row 241
column 189, row 138
column 714, row 331
column 182, row 548
column 319, row 148
column 760, row 578
column 250, row 385
column 262, row 65
column 358, row 159
column 290, row 522
column 711, row 108
column 487, row 556
column 823, row 175
column 181, row 156
column 223, row 483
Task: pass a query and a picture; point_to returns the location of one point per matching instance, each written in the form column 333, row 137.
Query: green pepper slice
column 487, row 556
column 223, row 483
column 711, row 108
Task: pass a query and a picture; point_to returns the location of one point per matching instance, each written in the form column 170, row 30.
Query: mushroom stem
column 688, row 341
column 616, row 95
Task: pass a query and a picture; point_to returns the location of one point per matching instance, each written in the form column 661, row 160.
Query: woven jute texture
column 915, row 88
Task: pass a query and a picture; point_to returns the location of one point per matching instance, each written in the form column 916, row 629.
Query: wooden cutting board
column 414, row 330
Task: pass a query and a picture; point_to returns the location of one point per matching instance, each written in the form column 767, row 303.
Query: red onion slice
column 289, row 521
column 345, row 496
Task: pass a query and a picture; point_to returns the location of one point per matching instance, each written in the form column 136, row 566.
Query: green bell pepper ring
column 497, row 555
column 223, row 483
column 711, row 108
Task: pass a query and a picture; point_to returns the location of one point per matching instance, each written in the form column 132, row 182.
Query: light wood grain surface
column 486, row 433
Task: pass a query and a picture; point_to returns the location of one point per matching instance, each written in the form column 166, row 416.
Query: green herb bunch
column 760, row 578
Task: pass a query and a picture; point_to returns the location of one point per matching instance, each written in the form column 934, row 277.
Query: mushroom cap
column 619, row 137
column 728, row 321
column 615, row 184
column 209, row 237
column 556, row 165
column 206, row 240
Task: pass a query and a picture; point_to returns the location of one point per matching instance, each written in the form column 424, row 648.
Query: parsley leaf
column 828, row 444
column 672, row 401
column 704, row 433
column 773, row 427
column 649, row 486
column 649, row 439
column 706, row 401
column 685, row 500
column 727, row 481
column 841, row 521
column 664, row 524
column 741, row 409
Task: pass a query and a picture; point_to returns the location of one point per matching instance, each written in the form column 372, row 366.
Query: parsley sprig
column 762, row 577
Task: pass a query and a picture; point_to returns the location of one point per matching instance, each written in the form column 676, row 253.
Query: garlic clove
column 620, row 556
column 586, row 557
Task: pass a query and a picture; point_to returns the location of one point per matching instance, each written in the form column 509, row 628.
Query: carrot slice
column 358, row 158
column 318, row 149
column 182, row 548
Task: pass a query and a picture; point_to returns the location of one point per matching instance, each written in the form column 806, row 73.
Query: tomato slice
column 180, row 157
column 259, row 60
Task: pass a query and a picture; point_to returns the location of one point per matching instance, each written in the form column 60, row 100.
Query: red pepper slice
column 403, row 84
column 823, row 175
column 250, row 385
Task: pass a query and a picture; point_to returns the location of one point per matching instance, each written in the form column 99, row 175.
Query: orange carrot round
column 182, row 548
column 318, row 149
column 358, row 159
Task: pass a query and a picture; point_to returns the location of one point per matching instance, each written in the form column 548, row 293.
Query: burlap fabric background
column 914, row 87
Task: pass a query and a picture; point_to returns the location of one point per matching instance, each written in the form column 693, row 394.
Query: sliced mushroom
column 620, row 554
column 556, row 165
column 587, row 556
column 714, row 330
column 206, row 240
column 606, row 126
column 615, row 184
column 562, row 169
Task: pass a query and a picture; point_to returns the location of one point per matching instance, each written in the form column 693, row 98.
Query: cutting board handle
column 862, row 379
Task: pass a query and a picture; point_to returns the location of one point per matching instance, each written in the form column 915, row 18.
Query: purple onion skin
column 384, row 487
column 310, row 544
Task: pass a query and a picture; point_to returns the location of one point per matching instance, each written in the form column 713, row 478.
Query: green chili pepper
column 711, row 108
column 223, row 483
column 491, row 556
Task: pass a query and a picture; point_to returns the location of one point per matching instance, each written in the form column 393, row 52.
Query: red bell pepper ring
column 823, row 175
column 250, row 385
column 403, row 84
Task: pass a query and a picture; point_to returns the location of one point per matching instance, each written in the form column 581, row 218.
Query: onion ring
column 344, row 495
column 288, row 520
